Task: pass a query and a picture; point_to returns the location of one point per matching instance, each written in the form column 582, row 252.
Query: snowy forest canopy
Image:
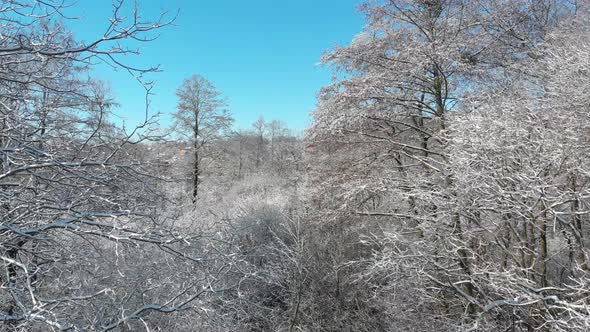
column 443, row 185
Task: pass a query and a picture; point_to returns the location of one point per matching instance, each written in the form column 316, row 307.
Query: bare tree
column 203, row 115
column 76, row 191
column 276, row 131
column 383, row 141
column 259, row 127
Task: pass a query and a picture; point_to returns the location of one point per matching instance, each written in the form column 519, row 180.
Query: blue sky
column 262, row 54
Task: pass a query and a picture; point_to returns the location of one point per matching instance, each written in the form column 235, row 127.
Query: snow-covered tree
column 76, row 192
column 203, row 116
column 386, row 139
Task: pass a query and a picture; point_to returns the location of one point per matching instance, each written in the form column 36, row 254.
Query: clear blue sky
column 262, row 54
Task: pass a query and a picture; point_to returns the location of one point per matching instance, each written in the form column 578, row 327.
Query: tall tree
column 259, row 127
column 382, row 130
column 202, row 115
column 73, row 188
column 276, row 130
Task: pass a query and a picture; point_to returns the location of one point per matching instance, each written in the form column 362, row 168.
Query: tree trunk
column 196, row 168
column 543, row 254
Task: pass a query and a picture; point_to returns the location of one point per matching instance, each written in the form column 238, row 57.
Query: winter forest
column 443, row 184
